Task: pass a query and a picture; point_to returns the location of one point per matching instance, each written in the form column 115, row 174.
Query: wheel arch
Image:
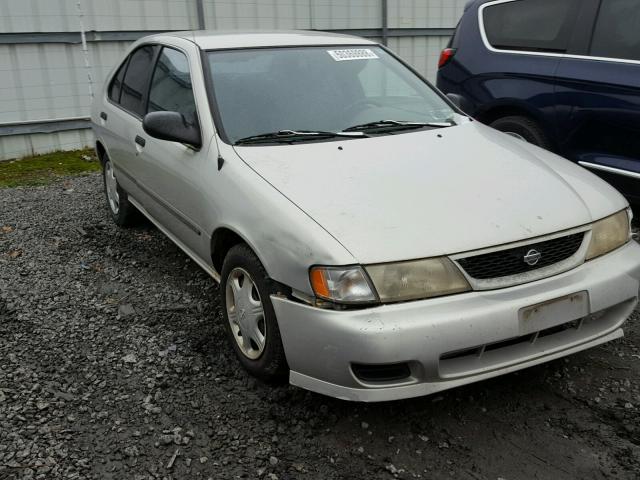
column 101, row 151
column 504, row 108
column 223, row 239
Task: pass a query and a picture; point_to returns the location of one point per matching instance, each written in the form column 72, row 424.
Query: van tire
column 524, row 128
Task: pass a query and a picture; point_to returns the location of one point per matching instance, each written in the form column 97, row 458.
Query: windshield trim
column 213, row 103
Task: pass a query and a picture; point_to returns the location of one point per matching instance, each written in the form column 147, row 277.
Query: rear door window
column 136, row 80
column 617, row 30
column 531, row 25
column 171, row 85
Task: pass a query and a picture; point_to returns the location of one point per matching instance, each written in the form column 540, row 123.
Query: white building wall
column 425, row 14
column 43, row 77
column 99, row 15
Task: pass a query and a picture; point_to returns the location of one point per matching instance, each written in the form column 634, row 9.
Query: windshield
column 317, row 89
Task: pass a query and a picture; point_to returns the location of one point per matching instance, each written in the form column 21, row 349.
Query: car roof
column 223, row 39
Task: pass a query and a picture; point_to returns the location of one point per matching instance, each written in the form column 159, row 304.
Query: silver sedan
column 371, row 241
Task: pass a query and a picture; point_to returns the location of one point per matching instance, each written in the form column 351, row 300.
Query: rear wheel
column 523, row 128
column 250, row 321
column 122, row 211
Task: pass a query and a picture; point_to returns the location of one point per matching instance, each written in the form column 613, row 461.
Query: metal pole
column 201, row 20
column 385, row 22
column 85, row 50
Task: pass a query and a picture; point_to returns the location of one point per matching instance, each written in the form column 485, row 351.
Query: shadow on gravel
column 114, row 364
column 537, row 423
column 7, row 314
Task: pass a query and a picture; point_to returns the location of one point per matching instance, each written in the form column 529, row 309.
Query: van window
column 531, row 25
column 617, row 30
column 171, row 85
column 136, row 80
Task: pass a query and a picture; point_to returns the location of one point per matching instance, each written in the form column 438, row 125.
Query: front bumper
column 444, row 340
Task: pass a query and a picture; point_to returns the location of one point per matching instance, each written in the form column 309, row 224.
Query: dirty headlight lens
column 341, row 284
column 609, row 234
column 434, row 277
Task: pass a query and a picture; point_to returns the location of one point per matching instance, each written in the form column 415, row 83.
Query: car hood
column 435, row 192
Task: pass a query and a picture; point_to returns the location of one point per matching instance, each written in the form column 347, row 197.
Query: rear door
column 126, row 107
column 598, row 94
column 109, row 126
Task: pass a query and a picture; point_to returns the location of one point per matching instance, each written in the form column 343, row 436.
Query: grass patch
column 44, row 169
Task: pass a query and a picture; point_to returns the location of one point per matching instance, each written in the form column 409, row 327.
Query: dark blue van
column 563, row 74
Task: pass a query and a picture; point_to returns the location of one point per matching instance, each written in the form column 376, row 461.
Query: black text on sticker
column 352, row 54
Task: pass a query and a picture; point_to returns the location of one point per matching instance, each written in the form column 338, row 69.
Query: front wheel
column 250, row 321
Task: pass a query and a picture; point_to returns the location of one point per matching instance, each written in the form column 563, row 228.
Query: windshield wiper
column 289, row 136
column 391, row 125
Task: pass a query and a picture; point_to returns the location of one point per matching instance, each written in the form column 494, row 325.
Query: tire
column 523, row 128
column 123, row 213
column 265, row 361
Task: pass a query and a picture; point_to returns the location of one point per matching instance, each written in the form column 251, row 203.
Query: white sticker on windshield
column 352, row 54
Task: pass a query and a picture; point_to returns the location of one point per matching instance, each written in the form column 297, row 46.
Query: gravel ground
column 114, row 365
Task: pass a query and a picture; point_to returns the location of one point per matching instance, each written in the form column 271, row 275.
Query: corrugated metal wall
column 298, row 14
column 99, row 15
column 44, row 82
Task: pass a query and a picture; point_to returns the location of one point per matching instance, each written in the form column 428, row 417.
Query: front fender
column 285, row 239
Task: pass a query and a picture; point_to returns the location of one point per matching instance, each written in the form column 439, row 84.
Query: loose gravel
column 114, row 365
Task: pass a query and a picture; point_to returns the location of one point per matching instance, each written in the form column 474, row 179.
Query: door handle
column 140, row 141
column 103, row 116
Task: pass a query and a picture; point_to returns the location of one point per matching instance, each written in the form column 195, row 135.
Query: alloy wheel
column 111, row 185
column 245, row 313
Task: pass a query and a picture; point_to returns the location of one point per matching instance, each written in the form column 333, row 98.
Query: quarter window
column 116, row 84
column 171, row 85
column 136, row 80
column 616, row 33
column 531, row 25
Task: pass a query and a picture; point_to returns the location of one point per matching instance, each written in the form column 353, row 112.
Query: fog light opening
column 392, row 372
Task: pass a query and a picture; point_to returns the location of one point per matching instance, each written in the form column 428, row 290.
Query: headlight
column 413, row 280
column 609, row 234
column 342, row 284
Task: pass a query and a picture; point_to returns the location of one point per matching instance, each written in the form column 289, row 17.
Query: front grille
column 503, row 353
column 512, row 261
column 532, row 338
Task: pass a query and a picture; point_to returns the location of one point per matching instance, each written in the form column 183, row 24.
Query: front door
column 171, row 172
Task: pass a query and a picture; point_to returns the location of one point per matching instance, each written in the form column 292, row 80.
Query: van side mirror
column 460, row 102
column 172, row 126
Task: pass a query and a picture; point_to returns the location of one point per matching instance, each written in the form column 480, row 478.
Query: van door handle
column 140, row 141
column 103, row 116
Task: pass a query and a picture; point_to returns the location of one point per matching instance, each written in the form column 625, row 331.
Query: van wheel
column 250, row 321
column 522, row 128
column 122, row 211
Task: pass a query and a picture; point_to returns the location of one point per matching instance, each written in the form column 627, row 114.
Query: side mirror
column 460, row 102
column 172, row 126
